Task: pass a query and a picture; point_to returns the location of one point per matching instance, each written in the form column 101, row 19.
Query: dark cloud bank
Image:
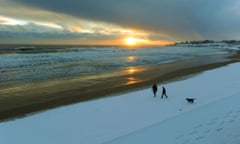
column 181, row 19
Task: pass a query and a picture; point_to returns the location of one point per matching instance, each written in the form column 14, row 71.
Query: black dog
column 190, row 100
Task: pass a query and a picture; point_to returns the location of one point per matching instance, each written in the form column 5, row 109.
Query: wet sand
column 27, row 98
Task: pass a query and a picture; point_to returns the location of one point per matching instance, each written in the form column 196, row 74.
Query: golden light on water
column 131, row 58
column 131, row 70
column 132, row 80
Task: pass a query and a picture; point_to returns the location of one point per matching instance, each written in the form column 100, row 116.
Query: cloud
column 34, row 33
column 4, row 21
column 185, row 19
column 39, row 24
column 81, row 20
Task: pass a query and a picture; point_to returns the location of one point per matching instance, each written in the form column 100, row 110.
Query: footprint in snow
column 193, row 132
column 199, row 138
column 219, row 129
column 198, row 126
column 231, row 121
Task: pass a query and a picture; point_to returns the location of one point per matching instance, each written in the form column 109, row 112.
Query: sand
column 26, row 98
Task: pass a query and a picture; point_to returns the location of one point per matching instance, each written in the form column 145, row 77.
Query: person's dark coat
column 154, row 89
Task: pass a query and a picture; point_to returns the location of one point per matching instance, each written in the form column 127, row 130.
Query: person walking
column 164, row 92
column 154, row 89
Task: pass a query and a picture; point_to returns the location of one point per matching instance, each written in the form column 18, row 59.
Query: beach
column 138, row 117
column 119, row 72
column 25, row 98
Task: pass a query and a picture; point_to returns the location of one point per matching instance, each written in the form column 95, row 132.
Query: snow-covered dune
column 215, row 118
column 216, row 123
column 138, row 117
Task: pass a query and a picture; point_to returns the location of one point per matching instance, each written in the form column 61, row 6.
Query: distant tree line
column 210, row 41
column 231, row 41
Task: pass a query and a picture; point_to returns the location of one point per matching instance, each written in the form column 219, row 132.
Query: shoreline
column 31, row 98
column 138, row 117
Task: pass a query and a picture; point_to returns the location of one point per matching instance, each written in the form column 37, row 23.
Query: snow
column 138, row 117
column 216, row 123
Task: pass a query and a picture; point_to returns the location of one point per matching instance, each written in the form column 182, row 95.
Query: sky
column 117, row 22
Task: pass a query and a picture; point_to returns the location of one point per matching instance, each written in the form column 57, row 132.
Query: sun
column 135, row 42
column 130, row 41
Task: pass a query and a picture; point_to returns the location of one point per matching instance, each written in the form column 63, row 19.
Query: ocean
column 22, row 64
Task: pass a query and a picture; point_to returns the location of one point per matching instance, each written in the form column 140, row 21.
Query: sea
column 30, row 63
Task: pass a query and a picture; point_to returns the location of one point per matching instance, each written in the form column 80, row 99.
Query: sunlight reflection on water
column 47, row 63
column 132, row 80
column 131, row 58
column 131, row 73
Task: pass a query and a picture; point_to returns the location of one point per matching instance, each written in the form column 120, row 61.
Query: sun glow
column 131, row 41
